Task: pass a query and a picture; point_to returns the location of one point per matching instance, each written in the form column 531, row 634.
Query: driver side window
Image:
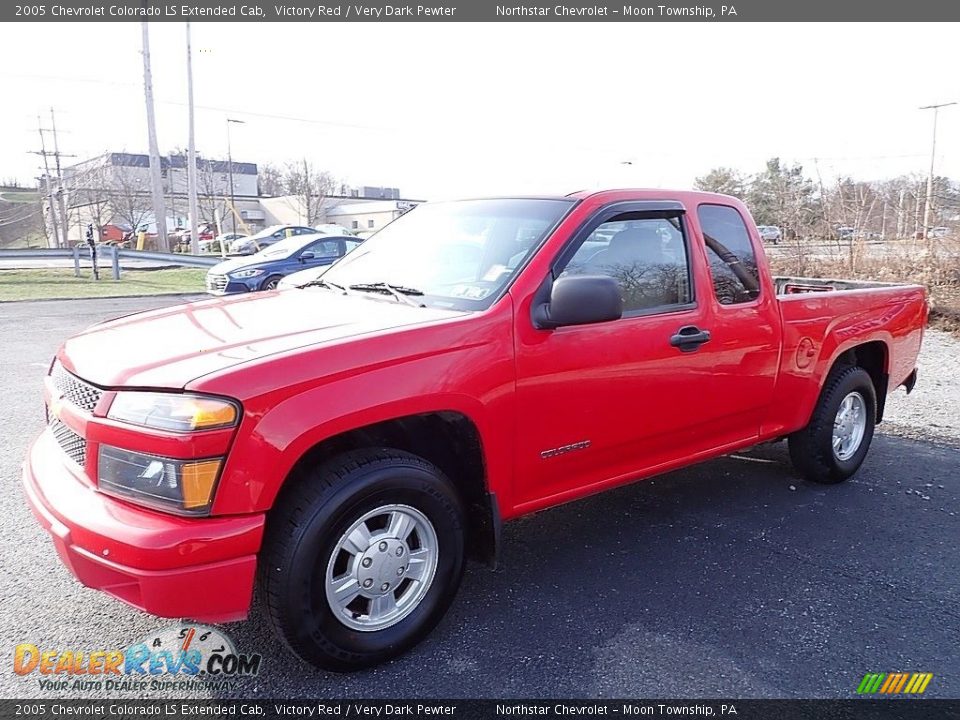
column 646, row 256
column 323, row 248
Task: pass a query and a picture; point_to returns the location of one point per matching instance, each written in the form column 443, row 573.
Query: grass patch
column 63, row 284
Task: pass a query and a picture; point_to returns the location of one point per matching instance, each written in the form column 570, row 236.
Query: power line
column 211, row 108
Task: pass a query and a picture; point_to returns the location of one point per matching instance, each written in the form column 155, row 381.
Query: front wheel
column 271, row 283
column 835, row 442
column 362, row 558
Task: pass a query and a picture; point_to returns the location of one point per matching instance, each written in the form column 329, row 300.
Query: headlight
column 247, row 273
column 182, row 486
column 172, row 411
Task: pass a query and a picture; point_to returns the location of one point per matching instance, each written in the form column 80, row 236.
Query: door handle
column 689, row 338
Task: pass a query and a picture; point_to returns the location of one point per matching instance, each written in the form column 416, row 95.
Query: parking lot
column 730, row 579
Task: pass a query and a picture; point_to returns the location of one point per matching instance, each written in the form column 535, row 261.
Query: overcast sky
column 454, row 109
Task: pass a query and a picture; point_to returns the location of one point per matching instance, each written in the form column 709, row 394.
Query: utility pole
column 61, row 202
column 928, row 210
column 54, row 239
column 156, row 182
column 192, row 158
column 917, row 206
column 233, row 207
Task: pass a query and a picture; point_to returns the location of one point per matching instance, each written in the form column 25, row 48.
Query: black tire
column 811, row 449
column 271, row 282
column 305, row 527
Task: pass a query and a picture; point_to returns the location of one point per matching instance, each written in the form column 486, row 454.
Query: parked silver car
column 770, row 233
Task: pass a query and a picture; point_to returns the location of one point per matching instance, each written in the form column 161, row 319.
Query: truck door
column 743, row 318
column 599, row 404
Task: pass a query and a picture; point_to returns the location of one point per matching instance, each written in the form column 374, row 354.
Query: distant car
column 213, row 244
column 267, row 237
column 113, row 233
column 939, row 232
column 770, row 233
column 265, row 269
column 334, row 229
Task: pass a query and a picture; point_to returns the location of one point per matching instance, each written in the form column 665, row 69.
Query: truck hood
column 169, row 348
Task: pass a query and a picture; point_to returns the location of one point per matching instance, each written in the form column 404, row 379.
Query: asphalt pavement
column 729, row 579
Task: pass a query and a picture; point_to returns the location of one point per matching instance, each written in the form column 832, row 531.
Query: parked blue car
column 263, row 270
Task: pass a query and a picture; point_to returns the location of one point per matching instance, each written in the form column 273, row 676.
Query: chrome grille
column 216, row 282
column 73, row 389
column 72, row 444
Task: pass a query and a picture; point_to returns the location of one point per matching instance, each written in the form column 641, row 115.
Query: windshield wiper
column 320, row 282
column 398, row 291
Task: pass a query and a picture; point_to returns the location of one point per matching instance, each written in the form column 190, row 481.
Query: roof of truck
column 685, row 196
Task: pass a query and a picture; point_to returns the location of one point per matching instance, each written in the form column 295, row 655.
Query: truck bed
column 797, row 285
column 822, row 318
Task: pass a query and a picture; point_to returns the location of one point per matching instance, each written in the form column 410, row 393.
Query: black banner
column 901, row 709
column 480, row 10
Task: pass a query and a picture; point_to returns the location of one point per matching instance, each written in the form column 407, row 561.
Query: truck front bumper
column 169, row 566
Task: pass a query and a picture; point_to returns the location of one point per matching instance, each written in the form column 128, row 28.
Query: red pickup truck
column 345, row 446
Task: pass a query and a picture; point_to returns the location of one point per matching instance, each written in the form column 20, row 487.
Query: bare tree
column 88, row 194
column 309, row 187
column 270, row 180
column 306, row 188
column 210, row 196
column 128, row 195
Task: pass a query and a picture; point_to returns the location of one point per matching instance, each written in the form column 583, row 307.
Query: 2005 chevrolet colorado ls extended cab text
column 346, row 445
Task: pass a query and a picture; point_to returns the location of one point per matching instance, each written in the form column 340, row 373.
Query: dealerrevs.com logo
column 179, row 657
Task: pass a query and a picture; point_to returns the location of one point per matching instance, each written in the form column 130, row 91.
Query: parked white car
column 214, row 244
column 334, row 229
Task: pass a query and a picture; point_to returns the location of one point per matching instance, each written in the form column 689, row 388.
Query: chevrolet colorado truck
column 343, row 447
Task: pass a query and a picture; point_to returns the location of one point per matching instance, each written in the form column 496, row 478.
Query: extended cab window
column 646, row 256
column 733, row 264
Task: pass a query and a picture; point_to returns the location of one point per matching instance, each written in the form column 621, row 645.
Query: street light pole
column 233, row 209
column 928, row 209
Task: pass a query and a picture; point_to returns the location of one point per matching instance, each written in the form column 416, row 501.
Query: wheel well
column 872, row 357
column 450, row 441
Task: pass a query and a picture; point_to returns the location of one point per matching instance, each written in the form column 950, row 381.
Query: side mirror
column 307, row 255
column 580, row 300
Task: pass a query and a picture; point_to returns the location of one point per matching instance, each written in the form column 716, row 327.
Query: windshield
column 458, row 254
column 265, row 233
column 284, row 247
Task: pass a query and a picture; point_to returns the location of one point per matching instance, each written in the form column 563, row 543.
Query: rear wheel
column 835, row 442
column 362, row 558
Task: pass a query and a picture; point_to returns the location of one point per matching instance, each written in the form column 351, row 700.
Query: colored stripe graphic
column 871, row 683
column 894, row 683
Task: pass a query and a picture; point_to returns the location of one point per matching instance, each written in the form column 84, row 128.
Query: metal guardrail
column 113, row 253
column 172, row 258
column 36, row 253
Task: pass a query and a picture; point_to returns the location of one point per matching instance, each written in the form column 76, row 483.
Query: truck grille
column 216, row 283
column 73, row 389
column 72, row 444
